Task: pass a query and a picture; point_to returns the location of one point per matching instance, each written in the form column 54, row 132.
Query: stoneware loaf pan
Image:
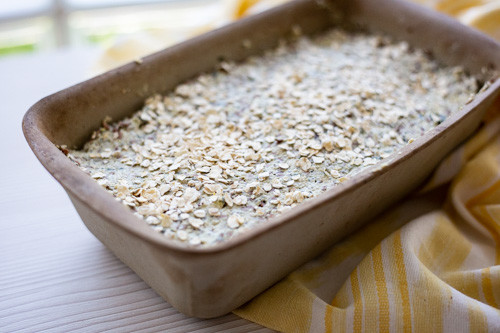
column 212, row 281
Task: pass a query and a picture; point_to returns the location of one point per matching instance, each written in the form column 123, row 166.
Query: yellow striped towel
column 430, row 264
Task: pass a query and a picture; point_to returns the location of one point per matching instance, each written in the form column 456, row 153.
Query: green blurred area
column 101, row 39
column 17, row 49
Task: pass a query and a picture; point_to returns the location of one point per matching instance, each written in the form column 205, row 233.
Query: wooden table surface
column 54, row 274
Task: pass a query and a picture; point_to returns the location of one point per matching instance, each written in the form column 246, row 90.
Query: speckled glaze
column 211, row 281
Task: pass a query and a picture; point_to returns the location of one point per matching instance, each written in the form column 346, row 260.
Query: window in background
column 167, row 22
column 33, row 25
column 26, row 35
column 24, row 26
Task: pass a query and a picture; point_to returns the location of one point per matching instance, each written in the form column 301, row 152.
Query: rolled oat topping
column 232, row 148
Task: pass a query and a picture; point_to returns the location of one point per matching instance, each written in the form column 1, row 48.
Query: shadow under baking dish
column 211, row 281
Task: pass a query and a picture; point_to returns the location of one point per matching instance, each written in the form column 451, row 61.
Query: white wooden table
column 54, row 275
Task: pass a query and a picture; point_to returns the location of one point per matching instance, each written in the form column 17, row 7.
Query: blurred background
column 127, row 29
column 35, row 25
column 122, row 29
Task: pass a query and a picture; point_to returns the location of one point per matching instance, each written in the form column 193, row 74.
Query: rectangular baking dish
column 209, row 282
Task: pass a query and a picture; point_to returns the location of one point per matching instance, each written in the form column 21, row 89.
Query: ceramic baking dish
column 209, row 282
